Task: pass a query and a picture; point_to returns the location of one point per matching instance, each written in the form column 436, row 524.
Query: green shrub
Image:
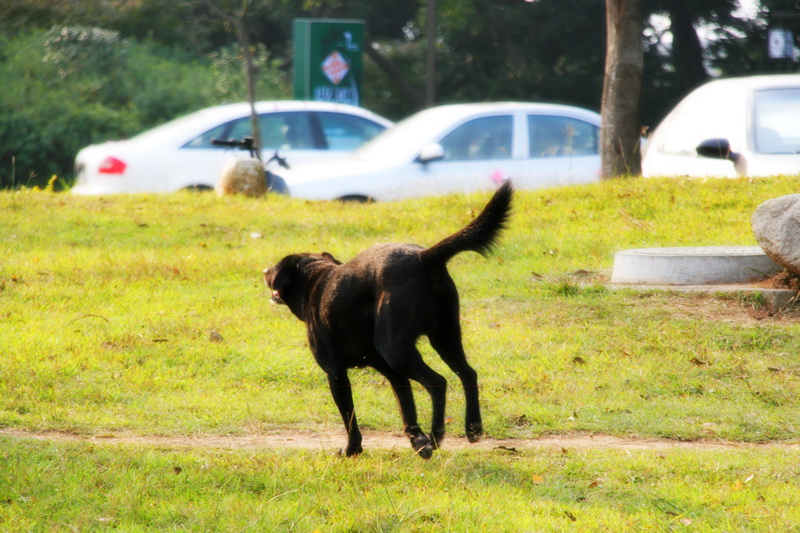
column 73, row 86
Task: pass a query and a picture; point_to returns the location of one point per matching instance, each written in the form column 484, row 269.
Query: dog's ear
column 281, row 276
column 329, row 256
column 269, row 276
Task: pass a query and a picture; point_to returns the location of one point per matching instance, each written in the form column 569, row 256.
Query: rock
column 776, row 225
column 242, row 176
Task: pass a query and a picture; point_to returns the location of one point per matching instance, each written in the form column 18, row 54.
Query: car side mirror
column 717, row 149
column 431, row 152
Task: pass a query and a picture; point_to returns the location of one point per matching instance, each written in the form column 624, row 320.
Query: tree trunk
column 622, row 90
column 406, row 89
column 687, row 52
column 238, row 22
column 250, row 69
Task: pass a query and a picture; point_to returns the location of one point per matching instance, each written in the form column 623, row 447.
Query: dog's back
column 393, row 265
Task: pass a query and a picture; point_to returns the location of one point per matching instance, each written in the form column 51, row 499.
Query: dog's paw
column 426, row 452
column 423, row 446
column 474, row 432
column 351, row 451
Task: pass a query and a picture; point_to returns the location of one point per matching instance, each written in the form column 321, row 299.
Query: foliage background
column 87, row 71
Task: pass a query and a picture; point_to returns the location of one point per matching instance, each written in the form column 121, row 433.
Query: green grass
column 107, row 307
column 88, row 487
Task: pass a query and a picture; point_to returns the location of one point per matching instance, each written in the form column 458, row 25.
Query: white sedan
column 180, row 155
column 728, row 128
column 459, row 149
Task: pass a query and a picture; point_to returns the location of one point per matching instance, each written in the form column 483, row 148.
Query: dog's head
column 290, row 280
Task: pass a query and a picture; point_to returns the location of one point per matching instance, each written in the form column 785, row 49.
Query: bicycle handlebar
column 248, row 143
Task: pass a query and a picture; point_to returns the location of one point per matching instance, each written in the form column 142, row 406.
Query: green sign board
column 328, row 60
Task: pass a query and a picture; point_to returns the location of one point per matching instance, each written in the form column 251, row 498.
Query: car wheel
column 198, row 188
column 276, row 184
column 357, row 198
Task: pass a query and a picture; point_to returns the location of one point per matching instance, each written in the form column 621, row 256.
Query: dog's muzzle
column 269, row 275
column 276, row 298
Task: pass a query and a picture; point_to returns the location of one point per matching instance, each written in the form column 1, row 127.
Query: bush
column 74, row 86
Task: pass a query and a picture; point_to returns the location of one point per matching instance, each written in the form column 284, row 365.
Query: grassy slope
column 106, row 307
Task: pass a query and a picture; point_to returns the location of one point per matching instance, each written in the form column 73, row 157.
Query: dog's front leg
column 343, row 397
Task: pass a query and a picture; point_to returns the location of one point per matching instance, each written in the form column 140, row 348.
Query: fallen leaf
column 521, row 420
column 510, row 449
column 537, row 480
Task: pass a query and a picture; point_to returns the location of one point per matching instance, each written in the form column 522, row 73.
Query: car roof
column 199, row 121
column 404, row 139
column 456, row 110
column 758, row 83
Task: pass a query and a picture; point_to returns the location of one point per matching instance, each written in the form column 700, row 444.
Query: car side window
column 776, row 117
column 204, row 139
column 279, row 131
column 346, row 132
column 480, row 138
column 286, row 131
column 554, row 136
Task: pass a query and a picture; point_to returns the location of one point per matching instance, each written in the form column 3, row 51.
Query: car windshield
column 405, row 139
column 776, row 119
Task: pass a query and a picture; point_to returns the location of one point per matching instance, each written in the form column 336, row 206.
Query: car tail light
column 112, row 165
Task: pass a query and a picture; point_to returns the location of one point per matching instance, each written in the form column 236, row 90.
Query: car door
column 561, row 150
column 478, row 154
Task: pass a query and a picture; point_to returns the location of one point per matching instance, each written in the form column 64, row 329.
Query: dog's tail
column 480, row 235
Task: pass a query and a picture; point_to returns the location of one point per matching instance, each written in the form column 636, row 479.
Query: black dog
column 371, row 310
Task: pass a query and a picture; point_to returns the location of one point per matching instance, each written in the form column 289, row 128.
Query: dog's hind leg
column 343, row 397
column 405, row 359
column 401, row 387
column 446, row 340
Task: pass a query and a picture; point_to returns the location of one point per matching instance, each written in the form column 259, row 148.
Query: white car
column 728, row 128
column 462, row 148
column 180, row 155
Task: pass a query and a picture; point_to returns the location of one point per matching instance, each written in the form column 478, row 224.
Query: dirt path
column 333, row 440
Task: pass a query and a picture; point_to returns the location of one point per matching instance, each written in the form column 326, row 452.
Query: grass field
column 147, row 315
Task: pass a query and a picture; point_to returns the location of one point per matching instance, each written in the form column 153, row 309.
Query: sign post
column 328, row 60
